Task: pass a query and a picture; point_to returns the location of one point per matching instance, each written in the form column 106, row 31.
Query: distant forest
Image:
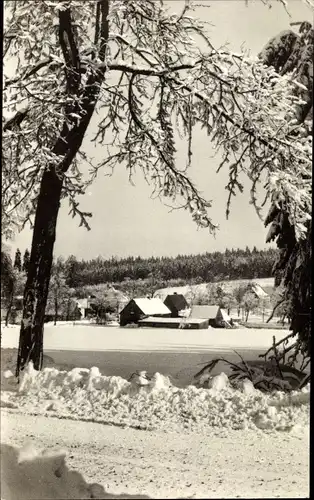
column 207, row 267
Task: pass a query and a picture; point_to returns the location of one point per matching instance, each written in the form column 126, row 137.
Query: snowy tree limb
column 69, row 50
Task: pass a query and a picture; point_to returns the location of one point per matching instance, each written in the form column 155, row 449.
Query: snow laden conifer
column 292, row 53
column 135, row 73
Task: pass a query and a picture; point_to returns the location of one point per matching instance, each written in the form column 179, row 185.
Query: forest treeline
column 207, row 267
column 139, row 277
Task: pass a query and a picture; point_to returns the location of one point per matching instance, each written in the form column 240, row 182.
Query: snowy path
column 220, row 464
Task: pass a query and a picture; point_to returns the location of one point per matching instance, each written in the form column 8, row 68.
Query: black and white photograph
column 156, row 262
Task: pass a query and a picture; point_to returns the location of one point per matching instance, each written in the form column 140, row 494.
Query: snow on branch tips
column 151, row 82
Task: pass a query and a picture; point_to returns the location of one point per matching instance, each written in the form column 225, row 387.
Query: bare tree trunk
column 68, row 310
column 9, row 309
column 66, row 147
column 36, row 289
column 247, row 315
column 56, row 310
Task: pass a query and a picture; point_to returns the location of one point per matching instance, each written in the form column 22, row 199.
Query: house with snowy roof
column 176, row 302
column 258, row 291
column 215, row 315
column 84, row 306
column 141, row 308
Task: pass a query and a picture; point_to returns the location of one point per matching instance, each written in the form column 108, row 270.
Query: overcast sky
column 126, row 221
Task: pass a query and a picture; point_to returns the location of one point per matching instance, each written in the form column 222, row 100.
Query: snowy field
column 102, row 338
column 120, row 352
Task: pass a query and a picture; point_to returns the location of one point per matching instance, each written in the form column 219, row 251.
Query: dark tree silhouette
column 7, row 275
column 17, row 260
column 26, row 258
column 207, row 267
column 7, row 282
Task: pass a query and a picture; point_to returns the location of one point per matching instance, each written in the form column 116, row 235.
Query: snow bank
column 85, row 394
column 30, row 473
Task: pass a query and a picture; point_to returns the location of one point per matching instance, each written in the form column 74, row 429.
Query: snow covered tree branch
column 291, row 52
column 231, row 95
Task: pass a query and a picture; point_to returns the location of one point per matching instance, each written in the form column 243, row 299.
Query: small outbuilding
column 176, row 303
column 141, row 308
column 84, row 306
column 184, row 323
column 215, row 315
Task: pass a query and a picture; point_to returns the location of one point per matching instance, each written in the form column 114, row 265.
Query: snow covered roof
column 258, row 290
column 83, row 303
column 152, row 306
column 151, row 319
column 204, row 312
column 114, row 293
column 110, row 293
column 225, row 316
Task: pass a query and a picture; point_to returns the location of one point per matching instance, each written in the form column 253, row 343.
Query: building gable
column 137, row 309
column 152, row 307
column 176, row 302
column 204, row 312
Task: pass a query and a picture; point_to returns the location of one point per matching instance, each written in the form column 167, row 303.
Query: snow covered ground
column 102, row 338
column 121, row 351
column 216, row 464
column 30, row 473
column 193, row 442
column 149, row 404
column 191, row 290
column 150, row 437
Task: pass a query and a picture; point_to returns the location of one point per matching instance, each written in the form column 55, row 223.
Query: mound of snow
column 155, row 403
column 29, row 474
